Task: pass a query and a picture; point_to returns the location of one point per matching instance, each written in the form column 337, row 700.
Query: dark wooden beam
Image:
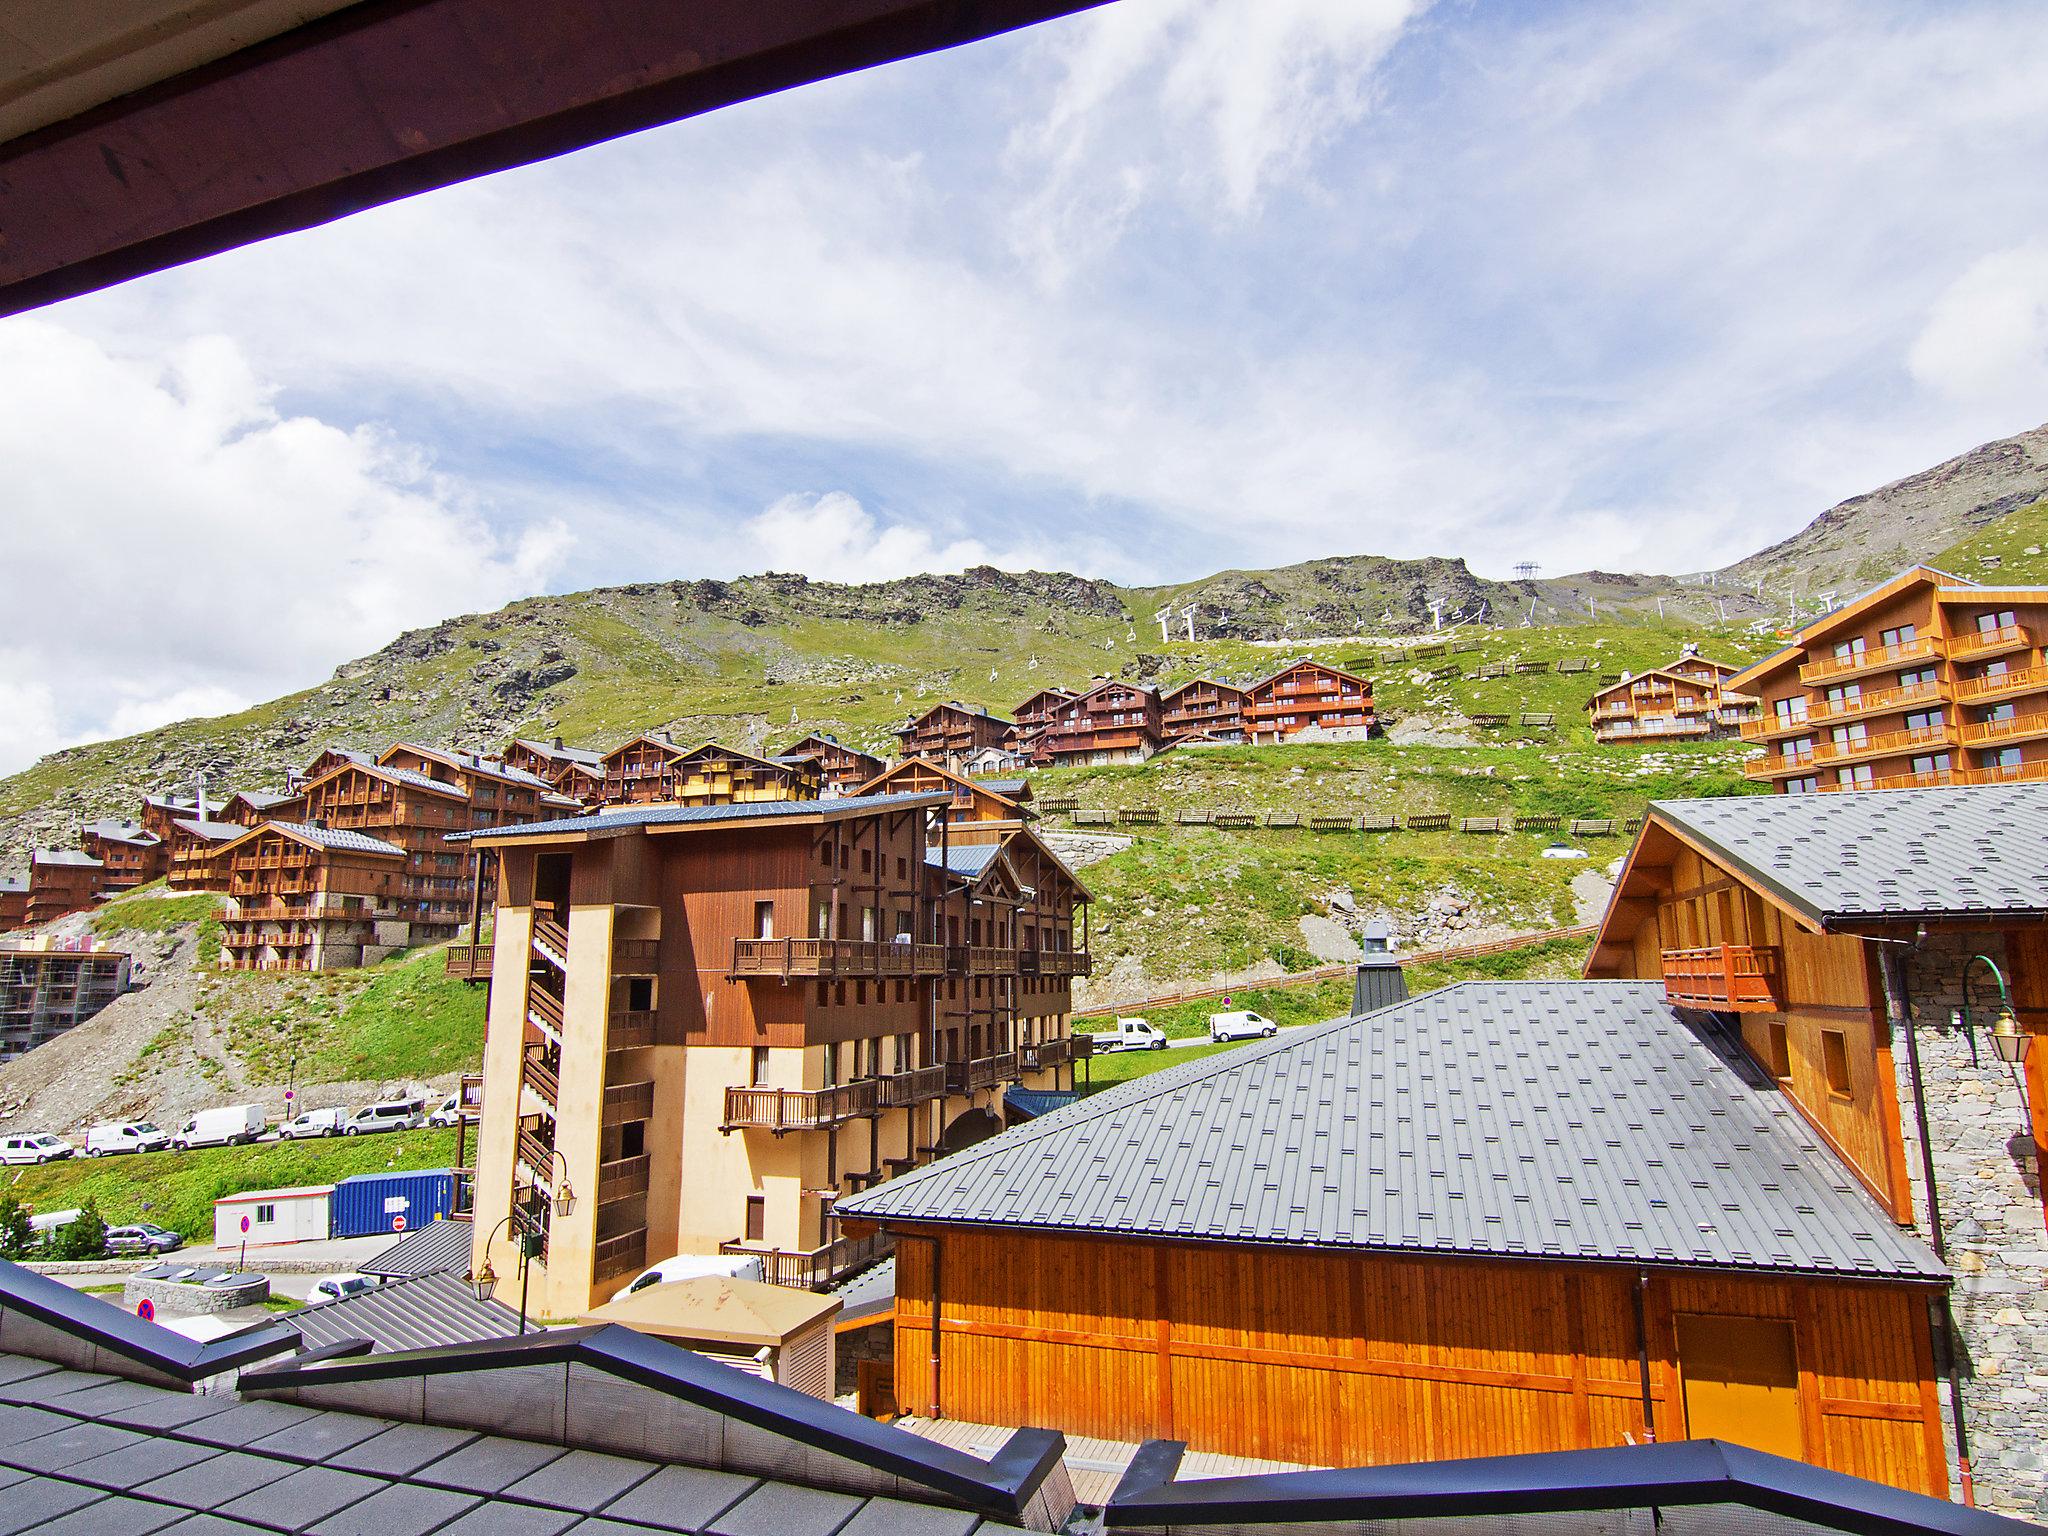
column 390, row 98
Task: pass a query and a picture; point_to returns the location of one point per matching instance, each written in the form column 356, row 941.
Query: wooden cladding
column 1365, row 1359
column 1733, row 978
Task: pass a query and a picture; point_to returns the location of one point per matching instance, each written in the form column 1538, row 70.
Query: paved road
column 335, row 1255
column 1181, row 1042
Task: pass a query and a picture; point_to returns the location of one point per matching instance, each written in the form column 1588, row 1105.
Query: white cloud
column 832, row 537
column 1986, row 338
column 177, row 546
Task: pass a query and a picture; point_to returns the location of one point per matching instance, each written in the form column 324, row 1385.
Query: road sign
column 146, row 1310
column 398, row 1223
column 245, row 1223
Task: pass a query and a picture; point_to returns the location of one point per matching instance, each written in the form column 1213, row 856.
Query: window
column 757, row 1218
column 1919, row 677
column 1834, row 1050
column 758, row 1068
column 1931, row 763
column 2003, row 757
column 1991, row 623
column 1778, row 1050
column 265, row 1215
column 1925, row 720
column 1853, row 777
column 640, row 994
column 1793, row 709
column 1851, row 735
column 764, row 919
column 1798, row 748
column 1903, row 634
column 1849, row 650
column 633, row 1138
column 830, row 1055
column 1839, row 695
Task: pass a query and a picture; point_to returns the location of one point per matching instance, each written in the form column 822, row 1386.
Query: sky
column 1157, row 290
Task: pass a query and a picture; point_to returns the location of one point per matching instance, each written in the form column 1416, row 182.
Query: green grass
column 177, row 1189
column 1101, row 1072
column 2009, row 538
column 143, row 911
column 405, row 1018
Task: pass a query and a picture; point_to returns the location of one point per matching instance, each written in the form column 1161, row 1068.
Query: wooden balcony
column 817, row 1267
column 1729, row 978
column 980, row 960
column 628, row 1101
column 1875, row 701
column 981, row 1072
column 784, row 959
column 538, row 1154
column 900, row 1090
column 622, row 1178
column 1045, row 1055
column 470, row 962
column 2004, row 685
column 1770, row 727
column 635, row 956
column 1976, row 644
column 1054, row 962
column 2028, row 727
column 2015, row 773
column 1775, row 765
column 1932, row 778
column 622, row 1254
column 1886, row 744
column 630, row 1028
column 1875, row 659
column 799, row 1109
column 544, row 1010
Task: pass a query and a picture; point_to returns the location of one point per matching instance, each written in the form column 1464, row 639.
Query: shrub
column 84, row 1237
column 17, row 1236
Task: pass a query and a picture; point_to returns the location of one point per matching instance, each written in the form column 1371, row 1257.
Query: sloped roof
column 422, row 1312
column 718, row 1309
column 68, row 856
column 583, row 756
column 210, row 831
column 626, row 818
column 969, row 861
column 1559, row 1120
column 322, row 837
column 426, row 1250
column 1883, row 853
column 111, row 830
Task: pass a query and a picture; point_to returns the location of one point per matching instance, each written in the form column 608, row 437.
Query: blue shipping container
column 390, row 1202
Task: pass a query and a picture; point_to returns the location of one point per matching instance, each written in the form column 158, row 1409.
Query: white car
column 1240, row 1025
column 314, row 1122
column 34, row 1147
column 392, row 1115
column 125, row 1136
column 690, row 1266
column 448, row 1112
column 337, row 1287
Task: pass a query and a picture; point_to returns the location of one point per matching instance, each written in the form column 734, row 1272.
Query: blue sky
column 1164, row 288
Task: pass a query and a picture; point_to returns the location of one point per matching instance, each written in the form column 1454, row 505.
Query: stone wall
column 180, row 1299
column 1992, row 1216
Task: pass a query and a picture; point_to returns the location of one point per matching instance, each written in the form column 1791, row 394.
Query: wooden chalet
column 841, row 769
column 995, row 763
column 576, row 772
column 1202, row 707
column 653, row 770
column 13, row 903
column 975, row 811
column 1689, row 700
column 1308, row 696
column 253, row 807
column 310, row 898
column 1590, row 1229
column 159, row 811
column 60, row 881
column 1033, row 715
column 129, row 854
column 189, row 851
column 950, row 733
column 331, row 758
column 1113, row 722
column 1928, row 679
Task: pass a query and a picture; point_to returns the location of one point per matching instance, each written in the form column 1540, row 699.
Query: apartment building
column 1688, row 700
column 1113, row 722
column 1309, row 696
column 253, row 807
column 45, row 992
column 159, row 811
column 189, row 849
column 976, row 810
column 952, row 732
column 310, row 898
column 841, row 769
column 653, row 770
column 1203, row 707
column 13, row 903
column 707, row 1023
column 60, row 881
column 577, row 772
column 129, row 854
column 1929, row 679
column 1033, row 715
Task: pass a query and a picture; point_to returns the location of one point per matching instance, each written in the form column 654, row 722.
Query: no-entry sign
column 398, row 1223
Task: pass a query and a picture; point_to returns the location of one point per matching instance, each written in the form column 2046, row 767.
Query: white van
column 314, row 1122
column 391, row 1115
column 1240, row 1025
column 689, row 1266
column 230, row 1125
column 125, row 1136
column 448, row 1112
column 34, row 1147
column 1131, row 1035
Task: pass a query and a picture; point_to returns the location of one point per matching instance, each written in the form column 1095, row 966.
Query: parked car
column 1242, row 1024
column 34, row 1147
column 1131, row 1035
column 125, row 1136
column 314, row 1122
column 230, row 1125
column 448, row 1112
column 336, row 1287
column 143, row 1237
column 690, row 1265
column 391, row 1115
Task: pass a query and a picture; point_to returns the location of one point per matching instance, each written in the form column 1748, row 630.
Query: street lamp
column 484, row 1282
column 2007, row 1038
column 565, row 1197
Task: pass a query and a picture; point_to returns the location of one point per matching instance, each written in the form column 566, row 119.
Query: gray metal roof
column 263, row 799
column 338, row 839
column 115, row 831
column 429, row 1250
column 422, row 1312
column 548, row 749
column 627, row 818
column 1884, row 852
column 969, row 861
column 69, row 856
column 212, row 831
column 1566, row 1120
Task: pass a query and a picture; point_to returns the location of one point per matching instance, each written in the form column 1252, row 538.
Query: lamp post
column 2007, row 1038
column 484, row 1282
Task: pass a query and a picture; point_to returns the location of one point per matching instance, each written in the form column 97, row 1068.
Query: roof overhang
column 145, row 134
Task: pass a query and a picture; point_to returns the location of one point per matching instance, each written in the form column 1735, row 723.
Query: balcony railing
column 621, row 1178
column 1876, row 659
column 545, row 1009
column 2009, row 773
column 1053, row 962
column 981, row 1072
column 901, row 1089
column 980, row 960
column 1888, row 744
column 470, row 962
column 2001, row 684
column 630, row 1028
column 786, row 958
column 1974, row 643
column 799, row 1109
column 540, row 1077
column 1045, row 1055
column 538, row 1155
column 630, row 955
column 2015, row 728
column 1928, row 778
column 818, row 1266
column 1731, row 978
column 628, row 1101
column 623, row 1254
column 551, row 939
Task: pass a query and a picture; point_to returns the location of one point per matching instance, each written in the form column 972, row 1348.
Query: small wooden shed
column 788, row 1331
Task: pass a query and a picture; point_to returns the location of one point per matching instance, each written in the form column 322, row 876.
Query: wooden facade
column 1203, row 707
column 129, row 854
column 297, row 902
column 60, row 882
column 1689, row 700
column 1927, row 680
column 13, row 904
column 575, row 772
column 952, row 732
column 652, row 770
column 976, row 813
column 189, row 851
column 1033, row 715
column 253, row 807
column 712, row 1030
column 1308, row 695
column 1113, row 722
column 1360, row 1358
column 159, row 811
column 842, row 769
